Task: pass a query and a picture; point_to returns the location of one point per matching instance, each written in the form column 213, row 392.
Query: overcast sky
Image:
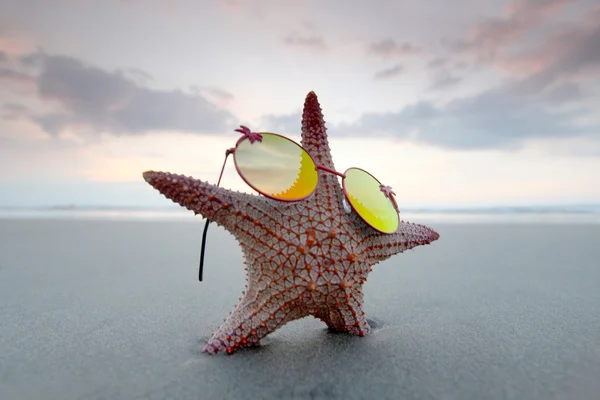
column 470, row 102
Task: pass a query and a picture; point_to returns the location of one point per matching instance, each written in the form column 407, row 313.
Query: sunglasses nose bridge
column 331, row 171
column 345, row 202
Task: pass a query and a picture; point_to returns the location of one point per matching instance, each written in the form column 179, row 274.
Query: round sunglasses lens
column 276, row 167
column 369, row 202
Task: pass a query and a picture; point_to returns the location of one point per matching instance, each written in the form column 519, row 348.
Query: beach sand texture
column 113, row 310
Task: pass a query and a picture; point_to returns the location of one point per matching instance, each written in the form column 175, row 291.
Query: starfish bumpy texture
column 303, row 258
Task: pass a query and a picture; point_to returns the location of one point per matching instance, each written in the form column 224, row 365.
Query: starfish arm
column 251, row 321
column 381, row 246
column 314, row 140
column 314, row 133
column 346, row 314
column 333, row 319
column 223, row 206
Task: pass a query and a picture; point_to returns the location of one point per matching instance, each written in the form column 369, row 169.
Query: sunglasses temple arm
column 227, row 153
column 202, row 250
column 203, row 245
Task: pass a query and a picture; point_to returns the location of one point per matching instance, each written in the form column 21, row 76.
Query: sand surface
column 113, row 310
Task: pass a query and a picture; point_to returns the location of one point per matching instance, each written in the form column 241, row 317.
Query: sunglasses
column 281, row 169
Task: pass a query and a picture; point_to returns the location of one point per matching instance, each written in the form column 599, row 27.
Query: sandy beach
column 113, row 310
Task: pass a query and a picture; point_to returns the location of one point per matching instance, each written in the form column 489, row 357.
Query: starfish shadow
column 375, row 325
column 331, row 337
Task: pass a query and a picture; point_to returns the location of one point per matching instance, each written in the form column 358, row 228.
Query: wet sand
column 112, row 309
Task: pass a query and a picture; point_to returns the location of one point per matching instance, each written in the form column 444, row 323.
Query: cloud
column 537, row 42
column 314, row 42
column 138, row 75
column 11, row 43
column 114, row 102
column 551, row 62
column 14, row 107
column 389, row 72
column 218, row 94
column 568, row 54
column 12, row 76
column 549, row 53
column 234, row 5
column 522, row 17
column 3, row 56
column 444, row 79
column 564, row 93
column 437, row 62
column 52, row 123
column 12, row 111
column 283, row 123
column 391, row 48
column 32, row 59
column 498, row 118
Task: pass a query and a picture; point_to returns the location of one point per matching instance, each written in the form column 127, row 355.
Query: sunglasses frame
column 246, row 137
column 257, row 136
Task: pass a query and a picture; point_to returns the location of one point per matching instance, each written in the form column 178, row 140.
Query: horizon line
column 579, row 208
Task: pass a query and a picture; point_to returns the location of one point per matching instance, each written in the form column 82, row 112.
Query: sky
column 465, row 103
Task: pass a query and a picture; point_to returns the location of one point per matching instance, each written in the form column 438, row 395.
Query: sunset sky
column 463, row 103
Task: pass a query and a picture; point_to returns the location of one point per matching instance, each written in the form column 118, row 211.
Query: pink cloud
column 14, row 45
column 232, row 5
column 572, row 52
column 522, row 17
column 535, row 44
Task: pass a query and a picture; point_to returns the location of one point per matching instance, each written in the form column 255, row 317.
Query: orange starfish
column 308, row 257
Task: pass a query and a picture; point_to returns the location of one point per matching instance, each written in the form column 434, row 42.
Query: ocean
column 561, row 214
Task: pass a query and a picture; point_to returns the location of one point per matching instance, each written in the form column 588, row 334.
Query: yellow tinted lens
column 369, row 202
column 276, row 167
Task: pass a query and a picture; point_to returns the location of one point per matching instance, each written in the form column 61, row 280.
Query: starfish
column 302, row 258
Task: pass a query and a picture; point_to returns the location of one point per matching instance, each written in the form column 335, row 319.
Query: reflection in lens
column 276, row 167
column 369, row 202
